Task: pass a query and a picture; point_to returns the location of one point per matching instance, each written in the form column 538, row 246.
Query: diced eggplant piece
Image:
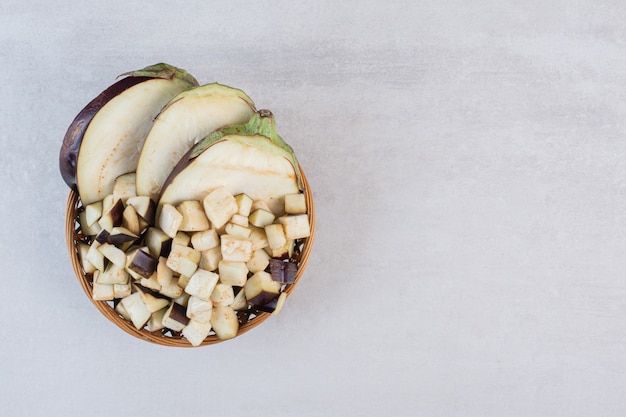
column 166, row 248
column 172, row 289
column 136, row 309
column 155, row 322
column 164, row 273
column 182, row 299
column 283, row 272
column 130, row 254
column 240, row 220
column 258, row 237
column 175, row 317
column 244, row 204
column 259, row 261
column 225, row 322
column 277, row 269
column 143, row 263
column 201, row 284
column 113, row 274
column 181, row 238
column 195, row 332
column 283, row 252
column 237, row 230
column 113, row 217
column 121, row 290
column 260, row 205
column 274, row 306
column 113, row 254
column 130, row 220
column 183, row 280
column 165, row 276
column 93, row 212
column 151, row 283
column 102, row 292
column 152, row 299
column 169, row 220
column 199, row 310
column 275, row 236
column 120, row 236
column 219, row 206
column 222, row 295
column 295, row 204
column 92, row 230
column 233, row 273
column 103, row 236
column 204, row 240
column 156, row 240
column 239, row 302
column 83, row 249
column 261, row 218
column 93, row 278
column 261, row 288
column 296, row 226
column 94, row 256
column 143, row 225
column 144, row 206
column 291, row 270
column 194, row 218
column 210, row 258
column 107, row 203
column 183, row 259
column 236, row 248
column 119, row 308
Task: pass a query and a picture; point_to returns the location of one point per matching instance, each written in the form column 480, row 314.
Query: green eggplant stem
column 262, row 124
column 164, row 71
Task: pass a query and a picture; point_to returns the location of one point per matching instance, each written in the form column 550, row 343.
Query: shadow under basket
column 73, row 236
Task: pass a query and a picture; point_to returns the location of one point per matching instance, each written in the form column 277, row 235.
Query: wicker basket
column 166, row 338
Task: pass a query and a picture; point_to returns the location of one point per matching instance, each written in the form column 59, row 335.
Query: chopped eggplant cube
column 143, row 264
column 283, row 272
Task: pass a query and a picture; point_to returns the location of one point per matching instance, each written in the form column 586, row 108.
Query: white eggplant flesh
column 114, row 138
column 195, row 332
column 224, row 322
column 240, row 166
column 189, row 117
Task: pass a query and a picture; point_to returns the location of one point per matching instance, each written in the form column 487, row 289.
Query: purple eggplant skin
column 116, row 213
column 103, row 236
column 68, row 156
column 147, row 290
column 118, row 239
column 115, row 239
column 179, row 314
column 269, row 306
column 263, row 298
column 283, row 272
column 144, row 264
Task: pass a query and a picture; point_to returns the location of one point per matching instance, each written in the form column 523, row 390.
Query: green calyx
column 260, row 132
column 162, row 70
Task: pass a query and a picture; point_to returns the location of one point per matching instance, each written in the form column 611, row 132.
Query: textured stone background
column 467, row 159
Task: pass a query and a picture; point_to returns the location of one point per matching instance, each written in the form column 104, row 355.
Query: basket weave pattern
column 73, row 236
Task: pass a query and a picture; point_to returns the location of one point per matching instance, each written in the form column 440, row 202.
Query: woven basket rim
column 71, row 233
